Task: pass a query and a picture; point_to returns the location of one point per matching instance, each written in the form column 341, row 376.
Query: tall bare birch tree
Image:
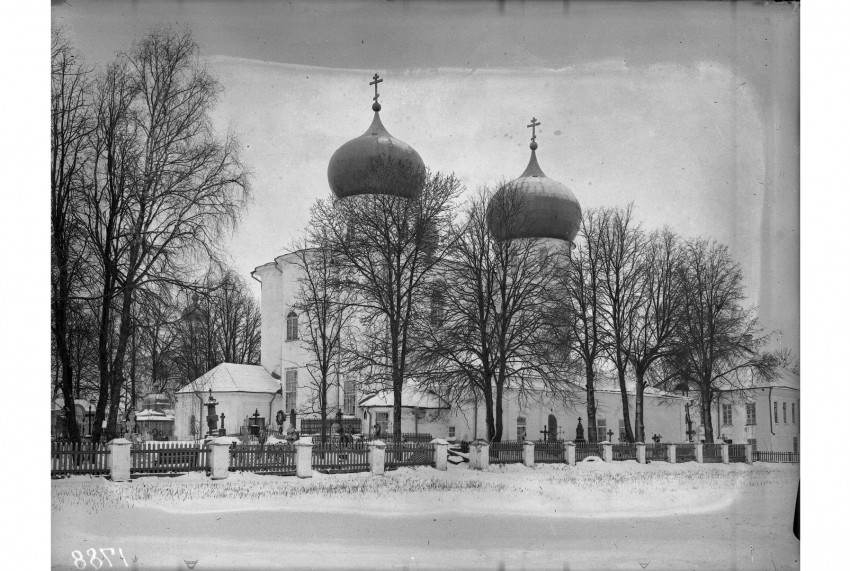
column 656, row 317
column 327, row 308
column 387, row 248
column 719, row 342
column 70, row 129
column 164, row 187
column 621, row 243
column 494, row 331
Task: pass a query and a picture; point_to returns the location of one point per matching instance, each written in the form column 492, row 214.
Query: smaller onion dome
column 534, row 206
column 376, row 163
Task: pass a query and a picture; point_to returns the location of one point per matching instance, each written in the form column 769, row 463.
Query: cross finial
column 375, row 81
column 534, row 124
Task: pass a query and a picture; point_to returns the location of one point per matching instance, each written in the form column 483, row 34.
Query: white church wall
column 235, row 406
column 271, row 326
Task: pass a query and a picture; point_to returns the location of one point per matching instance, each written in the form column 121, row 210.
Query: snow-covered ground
column 594, row 515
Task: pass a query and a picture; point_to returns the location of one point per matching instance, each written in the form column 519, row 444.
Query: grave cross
column 610, row 434
column 534, row 124
column 375, row 81
column 545, row 433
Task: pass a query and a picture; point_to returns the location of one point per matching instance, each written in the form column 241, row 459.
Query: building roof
column 375, row 163
column 746, row 380
column 411, row 397
column 609, row 381
column 230, row 377
column 59, row 404
column 149, row 415
column 548, row 209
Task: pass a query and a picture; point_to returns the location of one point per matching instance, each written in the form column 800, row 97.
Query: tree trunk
column 497, row 436
column 117, row 379
column 630, row 437
column 639, row 423
column 67, row 382
column 705, row 415
column 591, row 405
column 488, row 412
column 323, row 407
column 397, row 383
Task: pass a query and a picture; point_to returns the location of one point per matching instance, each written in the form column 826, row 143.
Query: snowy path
column 556, row 527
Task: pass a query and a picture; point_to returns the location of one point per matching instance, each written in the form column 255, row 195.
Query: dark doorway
column 553, row 428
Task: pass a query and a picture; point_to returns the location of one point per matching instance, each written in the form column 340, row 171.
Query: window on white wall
column 751, row 413
column 292, row 326
column 727, row 413
column 520, row 428
column 785, row 413
column 451, row 432
column 601, row 429
column 291, row 389
column 349, row 397
column 622, row 430
column 793, row 414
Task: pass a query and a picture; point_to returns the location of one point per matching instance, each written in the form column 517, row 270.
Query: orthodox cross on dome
column 534, row 124
column 375, row 81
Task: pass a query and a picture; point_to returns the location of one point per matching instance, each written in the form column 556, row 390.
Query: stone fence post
column 304, row 457
column 528, row 454
column 698, row 452
column 479, row 454
column 671, row 453
column 724, row 452
column 377, row 457
column 748, row 452
column 441, row 454
column 641, row 452
column 571, row 453
column 119, row 460
column 219, row 458
column 607, row 452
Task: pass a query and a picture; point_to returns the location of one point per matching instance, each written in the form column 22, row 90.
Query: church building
column 281, row 383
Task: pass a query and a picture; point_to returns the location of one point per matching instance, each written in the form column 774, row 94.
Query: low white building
column 240, row 392
column 765, row 416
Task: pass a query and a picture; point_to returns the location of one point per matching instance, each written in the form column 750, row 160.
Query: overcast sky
column 688, row 109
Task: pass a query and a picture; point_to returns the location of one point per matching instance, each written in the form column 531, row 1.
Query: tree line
column 424, row 292
column 142, row 191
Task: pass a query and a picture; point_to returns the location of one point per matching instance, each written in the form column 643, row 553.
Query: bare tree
column 164, row 187
column 578, row 306
column 492, row 334
column 718, row 341
column 70, row 128
column 621, row 242
column 327, row 308
column 656, row 316
column 387, row 248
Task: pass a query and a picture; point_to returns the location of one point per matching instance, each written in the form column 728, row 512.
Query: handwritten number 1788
column 95, row 561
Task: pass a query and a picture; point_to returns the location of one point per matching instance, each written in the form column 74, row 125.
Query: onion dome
column 376, row 162
column 534, row 205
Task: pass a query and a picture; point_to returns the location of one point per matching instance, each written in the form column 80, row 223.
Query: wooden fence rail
column 168, row 457
column 408, row 454
column 507, row 452
column 623, row 451
column 337, row 458
column 656, row 452
column 79, row 458
column 768, row 456
column 587, row 449
column 268, row 459
column 686, row 453
column 549, row 452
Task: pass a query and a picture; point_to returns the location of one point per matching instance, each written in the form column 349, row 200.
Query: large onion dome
column 534, row 206
column 376, row 163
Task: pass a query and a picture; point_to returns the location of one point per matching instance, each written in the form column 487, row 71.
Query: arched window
column 292, row 326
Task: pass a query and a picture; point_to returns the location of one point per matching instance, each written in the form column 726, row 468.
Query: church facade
column 282, row 384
